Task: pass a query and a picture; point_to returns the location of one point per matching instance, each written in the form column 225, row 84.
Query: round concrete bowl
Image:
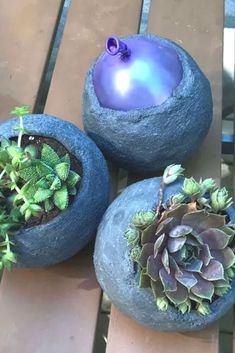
column 115, row 271
column 71, row 230
column 149, row 139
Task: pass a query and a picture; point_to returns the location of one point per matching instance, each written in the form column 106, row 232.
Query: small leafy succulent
column 30, row 183
column 185, row 250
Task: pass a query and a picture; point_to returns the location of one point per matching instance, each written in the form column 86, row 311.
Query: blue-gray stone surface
column 152, row 138
column 71, row 230
column 115, row 272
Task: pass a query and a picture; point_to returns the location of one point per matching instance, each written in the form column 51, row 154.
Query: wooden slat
column 55, row 310
column 126, row 336
column 198, row 27
column 26, row 29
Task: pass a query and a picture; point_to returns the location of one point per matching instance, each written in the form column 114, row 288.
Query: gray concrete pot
column 150, row 139
column 71, row 230
column 116, row 274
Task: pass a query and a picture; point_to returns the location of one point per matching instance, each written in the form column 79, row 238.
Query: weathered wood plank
column 127, row 336
column 202, row 36
column 192, row 25
column 26, row 29
column 55, row 310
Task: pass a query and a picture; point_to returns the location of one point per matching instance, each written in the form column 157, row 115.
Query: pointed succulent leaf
column 179, row 296
column 56, row 184
column 14, row 151
column 203, row 309
column 168, row 280
column 135, row 253
column 194, row 298
column 162, row 303
column 158, row 244
column 194, row 265
column 148, row 234
column 62, row 170
column 49, row 156
column 5, row 142
column 144, row 280
column 221, row 283
column 187, row 279
column 221, row 291
column 180, row 210
column 203, row 289
column 66, row 159
column 185, row 307
column 180, row 231
column 165, row 226
column 165, row 260
column 153, row 267
column 225, row 256
column 213, row 272
column 205, row 254
column 42, row 183
column 61, row 198
column 4, row 157
column 191, row 187
column 175, row 244
column 29, row 174
column 215, row 238
column 207, row 185
column 146, row 251
column 43, row 169
column 202, row 220
column 174, row 265
column 157, row 288
column 42, row 195
column 73, row 179
column 48, row 205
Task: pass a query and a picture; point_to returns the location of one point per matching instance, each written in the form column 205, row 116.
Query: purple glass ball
column 136, row 73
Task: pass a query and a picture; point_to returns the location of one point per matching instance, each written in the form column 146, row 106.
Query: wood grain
column 26, row 29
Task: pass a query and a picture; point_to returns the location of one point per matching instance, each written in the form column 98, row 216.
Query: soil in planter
column 76, row 166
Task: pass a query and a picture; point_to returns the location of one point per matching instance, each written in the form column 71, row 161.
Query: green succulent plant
column 30, row 183
column 185, row 251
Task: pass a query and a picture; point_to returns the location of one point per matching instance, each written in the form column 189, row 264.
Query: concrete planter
column 115, row 270
column 150, row 139
column 71, row 230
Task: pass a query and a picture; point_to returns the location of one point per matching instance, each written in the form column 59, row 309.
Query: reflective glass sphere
column 136, row 73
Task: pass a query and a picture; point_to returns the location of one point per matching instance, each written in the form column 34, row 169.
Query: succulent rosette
column 185, row 250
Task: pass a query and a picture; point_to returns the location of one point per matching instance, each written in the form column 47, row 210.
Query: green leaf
column 73, row 179
column 14, row 151
column 5, row 142
column 48, row 205
column 56, row 184
column 28, row 214
column 20, row 111
column 61, row 198
column 42, row 195
column 42, row 183
column 72, row 191
column 66, row 159
column 29, row 174
column 43, row 169
column 49, row 156
column 31, row 150
column 4, row 156
column 62, row 170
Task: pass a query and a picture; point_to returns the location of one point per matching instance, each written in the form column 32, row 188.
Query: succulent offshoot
column 30, row 183
column 185, row 252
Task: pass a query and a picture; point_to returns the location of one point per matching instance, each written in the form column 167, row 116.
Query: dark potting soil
column 76, row 166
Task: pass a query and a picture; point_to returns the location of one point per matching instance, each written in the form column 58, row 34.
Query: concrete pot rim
column 61, row 136
column 184, row 85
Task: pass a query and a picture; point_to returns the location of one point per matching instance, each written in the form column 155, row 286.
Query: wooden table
column 55, row 310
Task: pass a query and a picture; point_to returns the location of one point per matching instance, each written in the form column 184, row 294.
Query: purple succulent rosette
column 185, row 252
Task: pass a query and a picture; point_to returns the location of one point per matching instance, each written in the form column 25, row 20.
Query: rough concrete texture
column 150, row 139
column 71, row 230
column 116, row 274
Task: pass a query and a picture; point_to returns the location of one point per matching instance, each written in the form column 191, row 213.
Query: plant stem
column 21, row 132
column 2, row 174
column 160, row 197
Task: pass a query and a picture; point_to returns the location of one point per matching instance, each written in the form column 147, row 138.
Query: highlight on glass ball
column 146, row 103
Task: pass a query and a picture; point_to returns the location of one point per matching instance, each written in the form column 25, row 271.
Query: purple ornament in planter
column 136, row 74
column 146, row 103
